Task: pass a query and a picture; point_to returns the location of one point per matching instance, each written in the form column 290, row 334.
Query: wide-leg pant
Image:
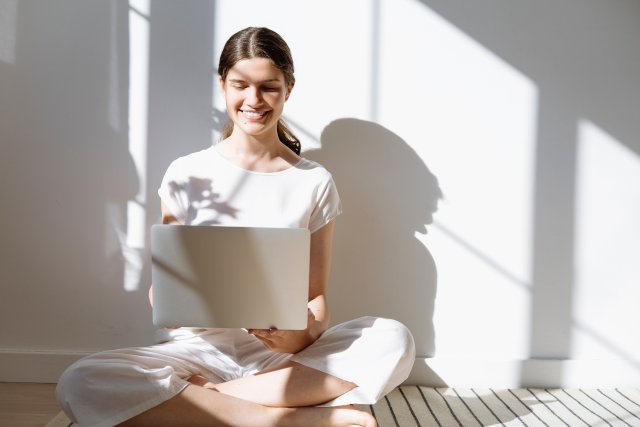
column 110, row 387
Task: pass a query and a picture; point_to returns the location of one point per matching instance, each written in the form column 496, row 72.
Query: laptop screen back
column 230, row 277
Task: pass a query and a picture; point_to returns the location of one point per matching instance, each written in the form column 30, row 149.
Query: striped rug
column 423, row 406
column 412, row 406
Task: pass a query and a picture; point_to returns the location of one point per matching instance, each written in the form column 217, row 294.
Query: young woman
column 253, row 177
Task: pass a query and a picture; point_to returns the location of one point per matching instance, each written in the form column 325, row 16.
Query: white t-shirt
column 204, row 188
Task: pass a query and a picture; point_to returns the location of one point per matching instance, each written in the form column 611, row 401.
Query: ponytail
column 287, row 137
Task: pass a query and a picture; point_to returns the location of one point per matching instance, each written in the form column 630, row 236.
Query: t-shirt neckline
column 230, row 163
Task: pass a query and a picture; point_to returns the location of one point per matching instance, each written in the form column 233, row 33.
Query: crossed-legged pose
column 231, row 377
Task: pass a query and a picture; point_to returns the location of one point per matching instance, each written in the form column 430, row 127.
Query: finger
column 263, row 338
column 267, row 343
column 266, row 332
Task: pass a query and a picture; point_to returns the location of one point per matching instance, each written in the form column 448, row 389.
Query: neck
column 255, row 145
column 257, row 152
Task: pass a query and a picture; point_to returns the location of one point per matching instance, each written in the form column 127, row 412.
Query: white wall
column 487, row 156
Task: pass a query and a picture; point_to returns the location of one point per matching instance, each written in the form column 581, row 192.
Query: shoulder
column 195, row 157
column 315, row 177
column 190, row 162
column 313, row 168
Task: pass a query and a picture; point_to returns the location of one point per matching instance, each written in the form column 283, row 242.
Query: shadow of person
column 388, row 194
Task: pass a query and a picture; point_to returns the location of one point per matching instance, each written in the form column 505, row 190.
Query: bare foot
column 341, row 416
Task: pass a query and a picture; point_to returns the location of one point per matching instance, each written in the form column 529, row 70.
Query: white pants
column 110, row 387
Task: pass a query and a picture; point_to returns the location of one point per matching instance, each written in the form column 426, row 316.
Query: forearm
column 320, row 309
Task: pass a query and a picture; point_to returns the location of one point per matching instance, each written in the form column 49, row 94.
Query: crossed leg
column 288, row 385
column 283, row 396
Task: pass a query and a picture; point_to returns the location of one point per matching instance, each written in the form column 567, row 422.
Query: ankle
column 201, row 381
column 320, row 417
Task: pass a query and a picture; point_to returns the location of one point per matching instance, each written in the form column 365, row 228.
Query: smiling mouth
column 253, row 115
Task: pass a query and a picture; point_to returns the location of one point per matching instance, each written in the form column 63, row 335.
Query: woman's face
column 255, row 92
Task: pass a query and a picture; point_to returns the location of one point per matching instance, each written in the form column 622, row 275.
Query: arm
column 318, row 319
column 167, row 217
column 319, row 269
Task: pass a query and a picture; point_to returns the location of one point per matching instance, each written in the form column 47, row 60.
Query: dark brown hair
column 260, row 42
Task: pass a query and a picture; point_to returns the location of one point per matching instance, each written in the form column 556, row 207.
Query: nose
column 253, row 96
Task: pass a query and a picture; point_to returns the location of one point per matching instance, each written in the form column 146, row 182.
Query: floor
column 23, row 404
column 410, row 406
column 27, row 405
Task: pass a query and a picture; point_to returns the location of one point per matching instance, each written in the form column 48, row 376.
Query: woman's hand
column 284, row 341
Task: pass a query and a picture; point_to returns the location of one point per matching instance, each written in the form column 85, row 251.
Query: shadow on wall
column 66, row 153
column 574, row 52
column 388, row 194
column 66, row 147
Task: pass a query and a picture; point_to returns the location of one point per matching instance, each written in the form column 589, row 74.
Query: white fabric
column 204, row 188
column 108, row 388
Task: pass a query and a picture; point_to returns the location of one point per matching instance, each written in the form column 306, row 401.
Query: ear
column 221, row 85
column 289, row 89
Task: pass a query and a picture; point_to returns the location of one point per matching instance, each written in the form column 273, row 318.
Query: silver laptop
column 230, row 277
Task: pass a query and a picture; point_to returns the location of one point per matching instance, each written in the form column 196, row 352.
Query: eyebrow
column 263, row 81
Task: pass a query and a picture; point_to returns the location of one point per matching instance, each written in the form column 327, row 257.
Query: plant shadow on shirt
column 388, row 194
column 201, row 195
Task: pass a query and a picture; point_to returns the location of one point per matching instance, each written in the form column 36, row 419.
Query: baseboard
column 538, row 373
column 34, row 365
column 46, row 367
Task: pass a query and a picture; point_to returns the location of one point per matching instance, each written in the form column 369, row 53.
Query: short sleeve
column 327, row 207
column 173, row 192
